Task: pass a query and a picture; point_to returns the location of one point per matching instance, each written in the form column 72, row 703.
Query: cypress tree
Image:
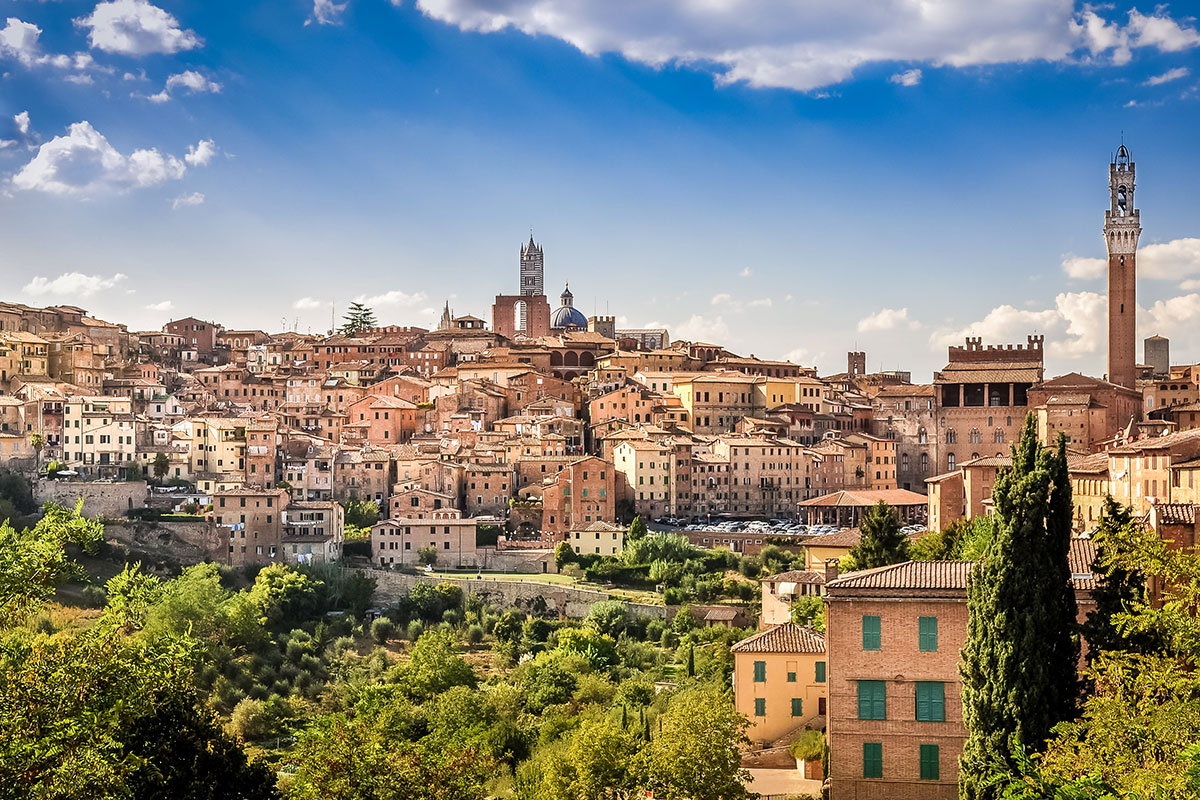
column 1019, row 664
column 1119, row 589
column 691, row 667
column 882, row 542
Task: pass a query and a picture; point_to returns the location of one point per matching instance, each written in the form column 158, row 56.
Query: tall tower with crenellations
column 1122, row 226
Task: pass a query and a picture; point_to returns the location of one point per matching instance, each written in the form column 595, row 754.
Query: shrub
column 810, row 746
column 250, row 719
column 382, row 629
column 415, row 629
column 475, row 634
column 93, row 596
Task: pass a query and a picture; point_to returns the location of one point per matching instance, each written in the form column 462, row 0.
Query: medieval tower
column 1122, row 225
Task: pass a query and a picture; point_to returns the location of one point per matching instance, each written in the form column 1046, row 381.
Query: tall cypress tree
column 1019, row 664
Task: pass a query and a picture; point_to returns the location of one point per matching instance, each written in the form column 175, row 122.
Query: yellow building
column 781, row 590
column 643, row 471
column 597, row 538
column 29, row 353
column 716, row 401
column 217, row 447
column 99, row 434
column 779, row 682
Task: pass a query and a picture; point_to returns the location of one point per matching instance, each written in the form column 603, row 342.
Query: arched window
column 951, row 437
column 950, row 462
column 1122, row 201
column 904, row 462
column 922, row 436
column 924, row 462
column 998, row 436
column 976, row 436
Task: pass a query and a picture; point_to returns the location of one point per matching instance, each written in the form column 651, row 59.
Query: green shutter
column 760, row 672
column 928, row 634
column 797, row 707
column 930, row 768
column 870, row 633
column 760, row 706
column 820, row 677
column 931, row 701
column 791, row 677
column 872, row 760
column 872, row 700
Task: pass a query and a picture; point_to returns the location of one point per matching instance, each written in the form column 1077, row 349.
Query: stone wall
column 100, row 498
column 566, row 601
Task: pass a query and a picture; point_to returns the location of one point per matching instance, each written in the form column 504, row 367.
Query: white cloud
column 762, row 302
column 1082, row 268
column 797, row 356
column 807, row 46
column 746, row 272
column 193, row 199
column 393, row 298
column 1074, row 328
column 727, row 300
column 19, row 40
column 703, row 329
column 79, row 79
column 22, row 122
column 136, row 28
column 71, row 284
column 907, row 78
column 201, row 153
column 721, row 299
column 326, row 12
column 1168, row 76
column 83, row 163
column 1190, row 286
column 165, row 305
column 192, row 81
column 1176, row 311
column 887, row 319
column 309, row 304
column 1169, row 260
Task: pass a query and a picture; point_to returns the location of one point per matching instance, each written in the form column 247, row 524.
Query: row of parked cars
column 775, row 527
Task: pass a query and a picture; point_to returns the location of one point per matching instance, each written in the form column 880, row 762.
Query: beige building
column 597, row 538
column 781, row 590
column 253, row 519
column 779, row 682
column 99, row 434
column 716, row 401
column 399, row 540
column 313, row 532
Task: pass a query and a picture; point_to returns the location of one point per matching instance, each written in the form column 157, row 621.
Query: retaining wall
column 100, row 498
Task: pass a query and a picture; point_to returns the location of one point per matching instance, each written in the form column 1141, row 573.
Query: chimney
column 831, row 569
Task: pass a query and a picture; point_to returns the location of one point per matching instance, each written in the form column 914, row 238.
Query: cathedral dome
column 567, row 316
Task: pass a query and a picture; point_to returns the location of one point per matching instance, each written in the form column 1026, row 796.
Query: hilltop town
column 546, row 444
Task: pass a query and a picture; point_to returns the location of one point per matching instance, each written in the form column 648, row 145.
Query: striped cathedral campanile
column 1122, row 225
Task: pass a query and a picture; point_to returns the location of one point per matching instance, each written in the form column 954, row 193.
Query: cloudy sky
column 795, row 179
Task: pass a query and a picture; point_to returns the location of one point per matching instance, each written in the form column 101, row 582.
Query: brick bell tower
column 1122, row 225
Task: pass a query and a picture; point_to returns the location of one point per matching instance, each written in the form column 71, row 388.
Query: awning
column 787, row 587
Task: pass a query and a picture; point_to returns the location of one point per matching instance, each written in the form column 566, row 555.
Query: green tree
column 1019, row 661
column 696, row 754
column 435, row 666
column 1121, row 588
column 427, row 555
column 358, row 318
column 38, row 443
column 608, row 617
column 564, row 555
column 882, row 542
column 809, row 610
column 361, row 513
column 597, row 761
column 33, row 560
column 637, row 530
column 162, row 464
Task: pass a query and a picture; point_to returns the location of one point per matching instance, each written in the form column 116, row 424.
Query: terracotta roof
column 1095, row 463
column 1176, row 513
column 1156, row 442
column 867, row 497
column 786, row 638
column 797, row 576
column 961, row 373
column 846, row 538
column 922, row 575
column 721, row 614
column 989, row 461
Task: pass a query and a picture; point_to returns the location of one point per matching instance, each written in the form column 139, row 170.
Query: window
column 870, row 633
column 929, row 762
column 931, row 701
column 872, row 760
column 797, row 707
column 760, row 706
column 760, row 672
column 820, row 676
column 872, row 700
column 927, row 634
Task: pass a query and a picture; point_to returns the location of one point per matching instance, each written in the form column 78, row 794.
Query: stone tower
column 1122, row 225
column 531, row 269
column 856, row 363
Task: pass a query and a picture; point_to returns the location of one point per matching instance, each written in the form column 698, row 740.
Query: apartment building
column 780, row 682
column 399, row 540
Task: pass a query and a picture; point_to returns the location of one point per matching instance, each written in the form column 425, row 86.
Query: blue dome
column 568, row 317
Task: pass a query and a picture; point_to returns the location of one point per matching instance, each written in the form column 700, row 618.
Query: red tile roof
column 786, row 638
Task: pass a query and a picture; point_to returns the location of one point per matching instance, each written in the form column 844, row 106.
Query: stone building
column 1122, row 226
column 981, row 398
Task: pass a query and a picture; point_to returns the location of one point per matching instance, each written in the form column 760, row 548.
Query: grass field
column 629, row 595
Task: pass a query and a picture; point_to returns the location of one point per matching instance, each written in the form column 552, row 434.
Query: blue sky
column 790, row 179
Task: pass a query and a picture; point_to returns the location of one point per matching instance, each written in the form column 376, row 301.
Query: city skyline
column 714, row 183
